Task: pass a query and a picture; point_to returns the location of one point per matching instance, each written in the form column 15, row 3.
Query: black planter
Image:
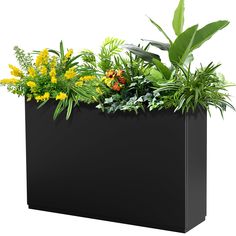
column 147, row 169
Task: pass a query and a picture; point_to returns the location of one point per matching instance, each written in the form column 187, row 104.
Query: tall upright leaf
column 178, row 21
column 207, row 32
column 181, row 48
column 161, row 30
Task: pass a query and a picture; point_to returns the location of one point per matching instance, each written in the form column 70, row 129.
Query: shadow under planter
column 147, row 169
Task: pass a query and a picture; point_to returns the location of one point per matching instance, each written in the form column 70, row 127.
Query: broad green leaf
column 178, row 21
column 162, row 46
column 161, row 30
column 155, row 77
column 180, row 49
column 163, row 69
column 146, row 56
column 207, row 32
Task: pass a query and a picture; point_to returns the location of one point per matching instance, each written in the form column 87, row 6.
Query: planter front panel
column 122, row 168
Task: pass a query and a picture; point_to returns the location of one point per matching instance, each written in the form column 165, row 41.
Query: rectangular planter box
column 147, row 169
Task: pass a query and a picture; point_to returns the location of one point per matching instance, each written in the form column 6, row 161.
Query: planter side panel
column 196, row 157
column 123, row 168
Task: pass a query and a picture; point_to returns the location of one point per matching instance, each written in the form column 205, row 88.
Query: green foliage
column 133, row 80
column 180, row 49
column 207, row 32
column 110, row 47
column 146, row 56
column 25, row 60
column 178, row 21
column 187, row 90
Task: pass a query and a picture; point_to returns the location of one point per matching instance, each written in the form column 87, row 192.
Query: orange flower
column 116, row 87
column 122, row 80
column 120, row 73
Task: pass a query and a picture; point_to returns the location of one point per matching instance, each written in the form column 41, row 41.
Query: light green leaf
column 181, row 48
column 161, row 30
column 207, row 32
column 178, row 21
column 162, row 68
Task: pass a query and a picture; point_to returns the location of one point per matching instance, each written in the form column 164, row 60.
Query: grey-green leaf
column 162, row 46
column 181, row 48
column 146, row 56
column 207, row 32
column 178, row 21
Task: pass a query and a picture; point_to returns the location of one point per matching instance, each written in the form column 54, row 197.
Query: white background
column 84, row 24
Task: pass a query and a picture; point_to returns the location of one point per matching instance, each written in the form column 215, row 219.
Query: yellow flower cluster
column 44, row 97
column 79, row 83
column 53, row 74
column 107, row 81
column 42, row 58
column 15, row 71
column 53, row 62
column 71, row 73
column 61, row 96
column 43, row 70
column 31, row 84
column 9, row 81
column 69, row 53
column 32, row 72
column 86, row 78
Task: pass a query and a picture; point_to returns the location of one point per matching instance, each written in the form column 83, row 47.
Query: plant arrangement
column 123, row 76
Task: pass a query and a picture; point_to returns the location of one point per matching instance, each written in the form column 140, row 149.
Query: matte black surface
column 147, row 170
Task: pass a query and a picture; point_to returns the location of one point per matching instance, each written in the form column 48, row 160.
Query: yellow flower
column 32, row 71
column 44, row 97
column 79, row 83
column 69, row 53
column 31, row 84
column 53, row 73
column 54, row 80
column 15, row 71
column 99, row 91
column 61, row 96
column 42, row 58
column 43, row 70
column 53, row 62
column 9, row 81
column 70, row 73
column 107, row 81
column 88, row 77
